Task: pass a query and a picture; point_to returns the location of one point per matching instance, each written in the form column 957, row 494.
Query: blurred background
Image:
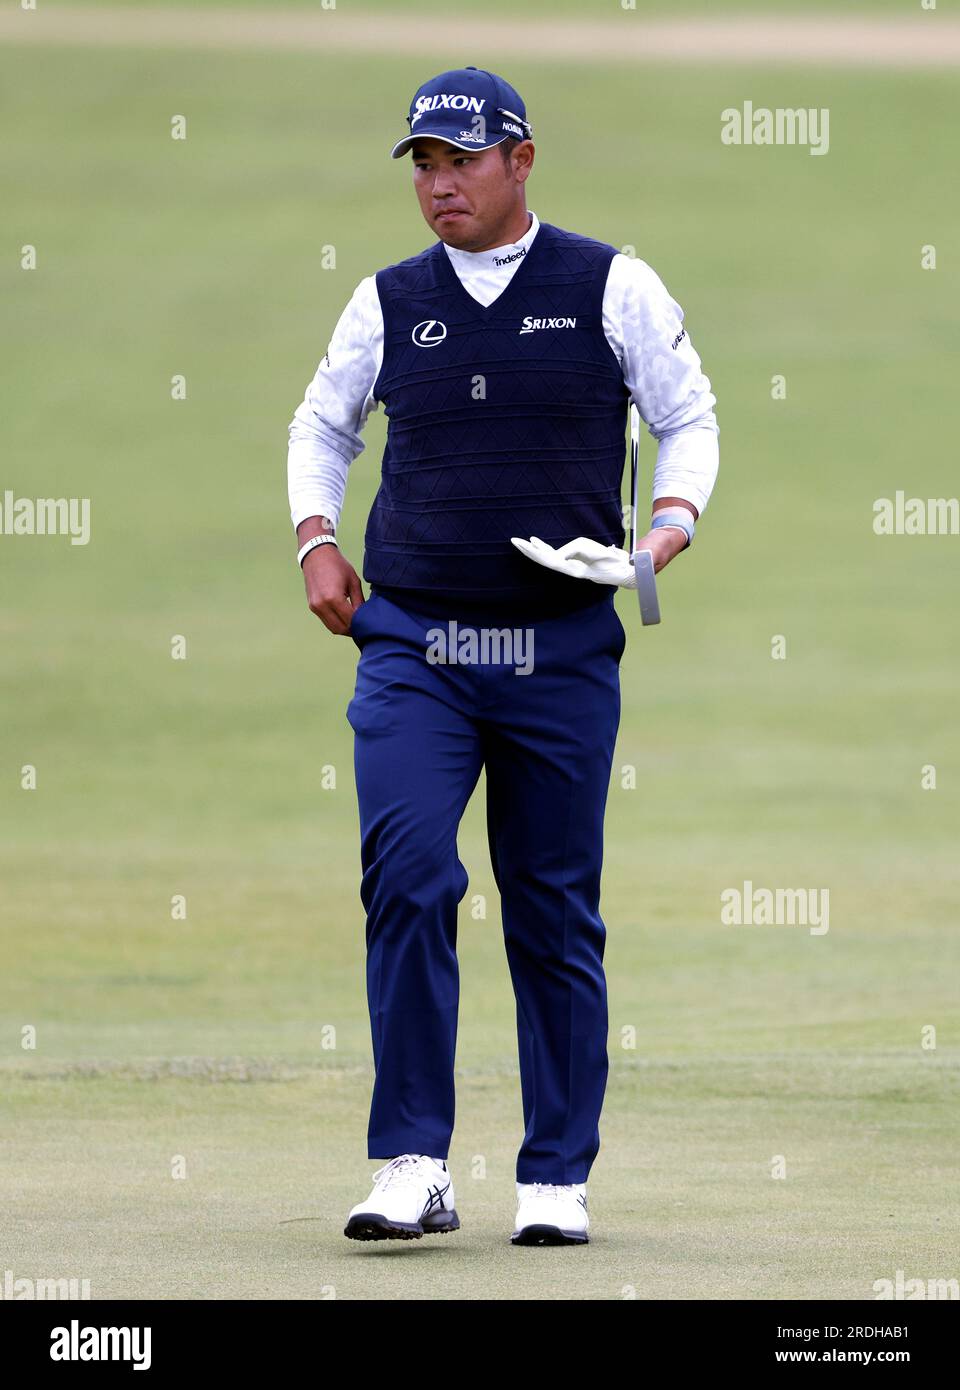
column 236, row 1037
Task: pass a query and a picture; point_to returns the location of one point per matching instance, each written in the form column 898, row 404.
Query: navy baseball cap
column 468, row 107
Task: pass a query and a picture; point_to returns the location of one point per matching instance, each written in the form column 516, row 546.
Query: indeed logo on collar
column 508, row 260
column 531, row 325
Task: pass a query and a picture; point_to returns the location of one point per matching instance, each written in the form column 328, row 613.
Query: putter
column 642, row 559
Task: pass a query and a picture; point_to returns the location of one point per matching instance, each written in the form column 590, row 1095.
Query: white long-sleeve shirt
column 642, row 324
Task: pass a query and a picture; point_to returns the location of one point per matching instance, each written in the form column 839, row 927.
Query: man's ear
column 522, row 160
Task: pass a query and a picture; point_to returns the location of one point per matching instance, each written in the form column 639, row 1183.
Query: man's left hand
column 603, row 564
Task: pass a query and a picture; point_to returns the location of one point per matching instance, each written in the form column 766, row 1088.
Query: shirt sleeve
column 662, row 372
column 324, row 434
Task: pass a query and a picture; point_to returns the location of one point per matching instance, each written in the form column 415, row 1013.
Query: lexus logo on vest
column 429, row 333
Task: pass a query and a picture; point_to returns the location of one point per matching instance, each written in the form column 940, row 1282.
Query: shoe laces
column 550, row 1189
column 404, row 1169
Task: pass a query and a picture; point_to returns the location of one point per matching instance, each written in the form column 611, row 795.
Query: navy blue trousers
column 422, row 732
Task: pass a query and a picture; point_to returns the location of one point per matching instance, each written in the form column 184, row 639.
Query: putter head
column 646, row 587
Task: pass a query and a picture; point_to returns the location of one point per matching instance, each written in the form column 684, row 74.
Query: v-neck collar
column 486, row 311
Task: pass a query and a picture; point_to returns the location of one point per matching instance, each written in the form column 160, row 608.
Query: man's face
column 469, row 196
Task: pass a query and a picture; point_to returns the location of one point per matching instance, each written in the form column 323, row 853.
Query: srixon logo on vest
column 531, row 325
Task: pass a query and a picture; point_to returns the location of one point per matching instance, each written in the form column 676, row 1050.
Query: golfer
column 505, row 357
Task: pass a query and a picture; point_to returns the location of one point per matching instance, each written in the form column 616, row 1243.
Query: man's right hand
column 334, row 591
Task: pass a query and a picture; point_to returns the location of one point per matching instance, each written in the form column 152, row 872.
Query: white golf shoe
column 551, row 1215
column 412, row 1196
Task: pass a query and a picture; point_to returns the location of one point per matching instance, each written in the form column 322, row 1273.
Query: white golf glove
column 582, row 559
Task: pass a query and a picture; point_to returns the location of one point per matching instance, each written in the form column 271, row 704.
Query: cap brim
column 403, row 145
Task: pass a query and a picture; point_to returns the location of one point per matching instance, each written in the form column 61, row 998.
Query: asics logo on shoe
column 437, row 1195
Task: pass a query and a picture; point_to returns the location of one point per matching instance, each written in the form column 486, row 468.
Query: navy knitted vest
column 504, row 421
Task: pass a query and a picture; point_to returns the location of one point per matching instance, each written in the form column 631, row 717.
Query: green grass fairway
column 599, row 10
column 237, row 1039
